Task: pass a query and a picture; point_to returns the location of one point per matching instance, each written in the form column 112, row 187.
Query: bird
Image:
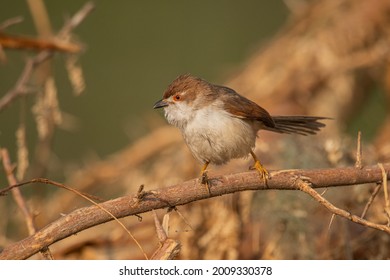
column 218, row 124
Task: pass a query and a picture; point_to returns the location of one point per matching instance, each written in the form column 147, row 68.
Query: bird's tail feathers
column 303, row 125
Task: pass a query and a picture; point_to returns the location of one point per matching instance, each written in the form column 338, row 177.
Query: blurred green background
column 134, row 49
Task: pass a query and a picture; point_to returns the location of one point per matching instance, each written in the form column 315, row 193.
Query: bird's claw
column 204, row 180
column 264, row 174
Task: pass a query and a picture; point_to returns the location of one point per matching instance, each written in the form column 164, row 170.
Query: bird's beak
column 161, row 103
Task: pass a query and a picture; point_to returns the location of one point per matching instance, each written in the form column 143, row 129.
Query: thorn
column 141, row 193
column 139, row 217
column 358, row 163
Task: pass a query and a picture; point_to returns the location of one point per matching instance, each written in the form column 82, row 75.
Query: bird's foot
column 264, row 175
column 204, row 180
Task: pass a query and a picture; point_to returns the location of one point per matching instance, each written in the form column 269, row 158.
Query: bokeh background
column 133, row 50
column 326, row 58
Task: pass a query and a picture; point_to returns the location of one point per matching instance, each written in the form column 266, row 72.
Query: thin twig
column 169, row 248
column 306, row 187
column 191, row 191
column 371, row 200
column 9, row 22
column 387, row 201
column 9, row 169
column 358, row 163
column 330, row 223
column 21, row 87
column 76, row 19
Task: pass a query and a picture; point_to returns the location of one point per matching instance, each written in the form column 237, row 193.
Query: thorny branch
column 191, row 191
column 305, row 186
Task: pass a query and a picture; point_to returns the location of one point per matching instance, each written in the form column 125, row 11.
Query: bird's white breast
column 214, row 135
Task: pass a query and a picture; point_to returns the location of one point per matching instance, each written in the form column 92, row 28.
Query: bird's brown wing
column 241, row 107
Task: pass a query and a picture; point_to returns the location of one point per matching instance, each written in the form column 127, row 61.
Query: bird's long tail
column 303, row 125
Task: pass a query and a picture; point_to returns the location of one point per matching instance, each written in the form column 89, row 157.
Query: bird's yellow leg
column 260, row 168
column 203, row 171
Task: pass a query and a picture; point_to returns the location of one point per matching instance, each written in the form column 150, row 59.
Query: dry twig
column 169, row 248
column 305, row 186
column 371, row 200
column 9, row 22
column 386, row 194
column 9, row 168
column 358, row 163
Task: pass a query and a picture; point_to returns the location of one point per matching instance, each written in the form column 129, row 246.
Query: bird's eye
column 176, row 97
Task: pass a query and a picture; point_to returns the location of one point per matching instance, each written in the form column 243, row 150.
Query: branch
column 305, row 186
column 21, row 86
column 185, row 193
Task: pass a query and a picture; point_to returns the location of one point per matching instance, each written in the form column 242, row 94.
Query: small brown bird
column 218, row 124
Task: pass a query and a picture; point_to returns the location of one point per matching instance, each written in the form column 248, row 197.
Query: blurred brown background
column 328, row 58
